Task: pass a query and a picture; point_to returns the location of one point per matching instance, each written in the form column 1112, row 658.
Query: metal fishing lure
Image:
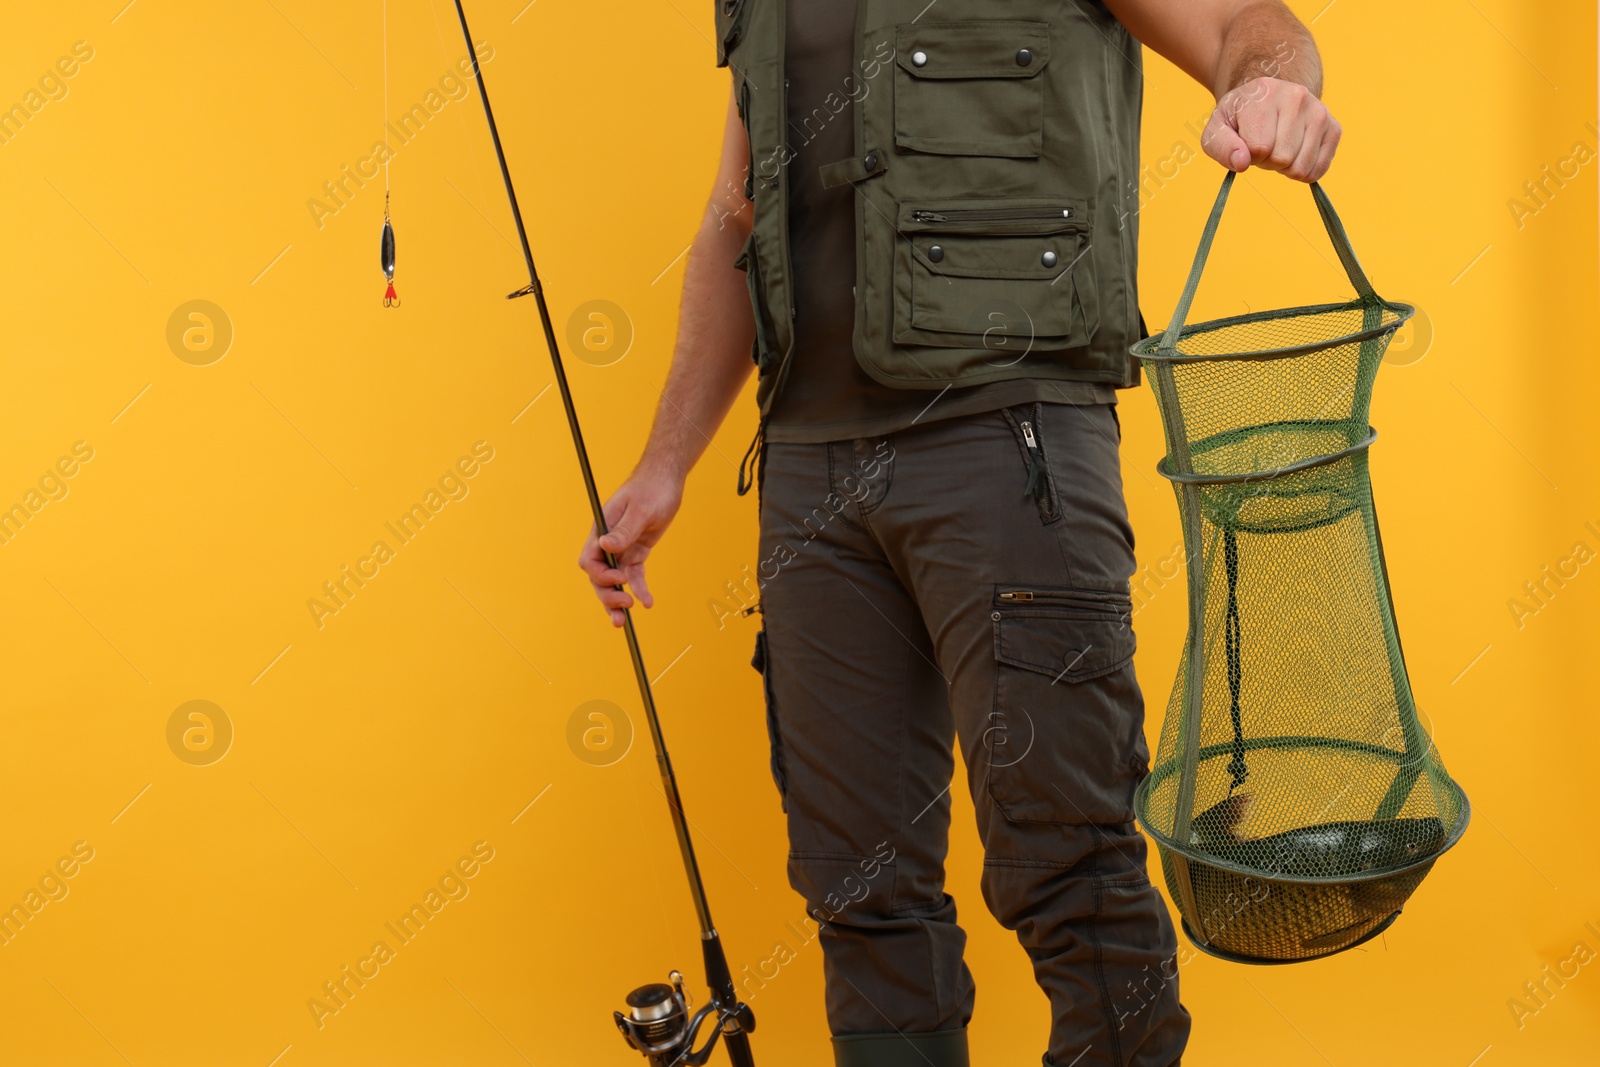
column 386, row 253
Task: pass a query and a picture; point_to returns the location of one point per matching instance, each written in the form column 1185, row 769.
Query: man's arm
column 1261, row 64
column 710, row 365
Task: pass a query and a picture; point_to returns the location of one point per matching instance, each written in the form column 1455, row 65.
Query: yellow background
column 371, row 753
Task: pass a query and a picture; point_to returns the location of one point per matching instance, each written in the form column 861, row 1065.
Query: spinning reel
column 658, row 1024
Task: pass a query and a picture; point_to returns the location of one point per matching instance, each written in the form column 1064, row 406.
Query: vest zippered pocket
column 1043, row 218
column 987, row 238
column 1008, row 275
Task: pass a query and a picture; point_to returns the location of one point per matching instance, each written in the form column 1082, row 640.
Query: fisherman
column 923, row 238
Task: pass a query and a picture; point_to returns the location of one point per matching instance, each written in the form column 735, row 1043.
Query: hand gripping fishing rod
column 658, row 1023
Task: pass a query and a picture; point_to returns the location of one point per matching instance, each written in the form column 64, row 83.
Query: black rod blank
column 718, row 976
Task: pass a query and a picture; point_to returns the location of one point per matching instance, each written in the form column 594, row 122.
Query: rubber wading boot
column 941, row 1048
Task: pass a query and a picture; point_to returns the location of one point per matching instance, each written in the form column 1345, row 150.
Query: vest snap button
column 1024, row 57
column 919, row 59
column 936, row 253
column 1048, row 259
column 870, row 162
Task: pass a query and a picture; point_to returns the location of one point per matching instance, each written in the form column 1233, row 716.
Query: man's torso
column 827, row 395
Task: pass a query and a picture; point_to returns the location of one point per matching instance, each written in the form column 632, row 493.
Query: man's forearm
column 712, row 358
column 1263, row 67
column 1265, row 40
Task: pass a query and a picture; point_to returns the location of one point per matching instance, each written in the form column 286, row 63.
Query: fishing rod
column 658, row 1023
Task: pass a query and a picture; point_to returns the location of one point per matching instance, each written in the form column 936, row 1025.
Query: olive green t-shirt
column 827, row 396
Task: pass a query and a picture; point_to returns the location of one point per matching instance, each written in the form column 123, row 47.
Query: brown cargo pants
column 965, row 580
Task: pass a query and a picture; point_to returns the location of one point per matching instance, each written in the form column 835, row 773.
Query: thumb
column 1222, row 142
column 621, row 535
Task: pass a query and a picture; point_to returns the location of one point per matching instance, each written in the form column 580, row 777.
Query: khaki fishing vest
column 996, row 167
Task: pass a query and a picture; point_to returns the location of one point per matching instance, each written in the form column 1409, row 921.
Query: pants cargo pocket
column 1065, row 741
column 774, row 737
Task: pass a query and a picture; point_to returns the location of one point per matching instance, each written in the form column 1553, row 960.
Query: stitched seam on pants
column 867, row 528
column 833, row 487
column 1099, row 954
column 900, row 774
column 1040, row 864
column 888, row 477
column 1127, row 883
column 912, row 907
column 862, row 506
column 845, row 857
column 933, row 963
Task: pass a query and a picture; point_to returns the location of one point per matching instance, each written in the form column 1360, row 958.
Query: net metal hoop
column 1149, row 350
column 1163, row 465
column 1189, row 852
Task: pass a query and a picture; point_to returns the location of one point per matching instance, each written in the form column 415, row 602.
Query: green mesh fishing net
column 1296, row 801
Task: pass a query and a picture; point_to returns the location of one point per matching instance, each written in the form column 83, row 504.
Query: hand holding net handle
column 1330, row 222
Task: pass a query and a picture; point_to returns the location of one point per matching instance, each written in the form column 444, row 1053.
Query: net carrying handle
column 1330, row 222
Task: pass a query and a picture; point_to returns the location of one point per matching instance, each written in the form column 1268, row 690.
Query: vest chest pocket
column 971, row 88
column 1007, row 276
